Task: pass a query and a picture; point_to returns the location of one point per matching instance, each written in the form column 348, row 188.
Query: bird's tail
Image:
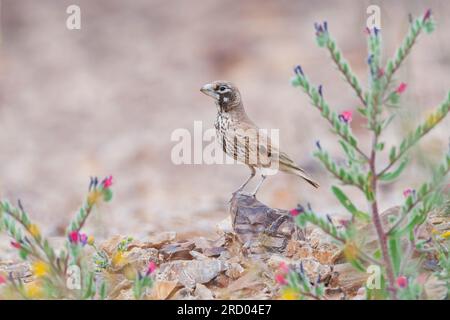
column 290, row 167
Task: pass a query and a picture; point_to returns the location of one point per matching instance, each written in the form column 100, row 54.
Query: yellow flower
column 434, row 231
column 446, row 235
column 34, row 230
column 91, row 240
column 34, row 290
column 350, row 251
column 432, row 120
column 40, row 269
column 118, row 259
column 93, row 197
column 289, row 294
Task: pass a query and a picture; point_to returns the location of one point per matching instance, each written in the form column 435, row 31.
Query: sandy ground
column 106, row 99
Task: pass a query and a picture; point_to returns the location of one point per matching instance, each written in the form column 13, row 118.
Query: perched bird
column 241, row 139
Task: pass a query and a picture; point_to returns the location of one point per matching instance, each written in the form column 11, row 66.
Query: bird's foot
column 238, row 191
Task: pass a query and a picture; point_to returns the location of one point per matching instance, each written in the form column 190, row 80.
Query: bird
column 242, row 140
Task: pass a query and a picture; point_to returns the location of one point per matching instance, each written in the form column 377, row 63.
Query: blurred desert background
column 104, row 100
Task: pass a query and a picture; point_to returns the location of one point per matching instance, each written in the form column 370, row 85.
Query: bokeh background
column 105, row 99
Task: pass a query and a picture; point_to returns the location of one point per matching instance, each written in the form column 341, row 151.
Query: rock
column 210, row 248
column 157, row 240
column 235, row 270
column 298, row 250
column 177, row 251
column 221, row 281
column 140, row 257
column 116, row 292
column 275, row 260
column 201, row 292
column 324, row 247
column 16, row 270
column 183, row 294
column 360, row 295
column 126, row 294
column 257, row 225
column 314, row 270
column 368, row 242
column 162, row 289
column 189, row 273
column 214, row 251
column 225, row 226
column 438, row 222
column 435, row 289
column 346, row 277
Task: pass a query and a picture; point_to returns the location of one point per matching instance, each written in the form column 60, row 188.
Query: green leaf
column 390, row 176
column 377, row 254
column 345, row 201
column 358, row 265
column 103, row 291
column 395, row 252
column 392, row 154
column 23, row 254
column 90, row 290
column 296, row 81
column 379, row 146
column 107, row 194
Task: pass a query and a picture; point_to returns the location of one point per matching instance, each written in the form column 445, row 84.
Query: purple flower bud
column 300, row 208
column 83, row 239
column 376, row 30
column 427, row 15
column 320, row 90
column 316, row 26
column 329, row 219
column 318, row 145
column 298, row 70
column 325, row 25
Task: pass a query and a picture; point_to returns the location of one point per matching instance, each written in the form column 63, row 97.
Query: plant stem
column 382, row 237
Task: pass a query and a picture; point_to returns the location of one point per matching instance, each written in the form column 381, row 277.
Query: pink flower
column 402, row 282
column 294, row 212
column 16, row 245
column 74, row 236
column 107, row 182
column 280, row 279
column 344, row 222
column 380, row 72
column 401, row 88
column 2, row 279
column 346, row 116
column 284, row 268
column 407, row 192
column 151, row 268
column 427, row 15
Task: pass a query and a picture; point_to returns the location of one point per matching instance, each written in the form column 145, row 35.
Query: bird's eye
column 222, row 88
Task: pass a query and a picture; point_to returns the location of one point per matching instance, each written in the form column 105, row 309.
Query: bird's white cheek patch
column 225, row 99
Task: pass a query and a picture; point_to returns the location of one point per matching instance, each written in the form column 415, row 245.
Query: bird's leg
column 252, row 174
column 259, row 185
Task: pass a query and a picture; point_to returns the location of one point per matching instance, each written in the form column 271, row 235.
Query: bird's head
column 225, row 94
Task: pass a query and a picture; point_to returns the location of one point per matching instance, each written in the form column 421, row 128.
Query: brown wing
column 250, row 145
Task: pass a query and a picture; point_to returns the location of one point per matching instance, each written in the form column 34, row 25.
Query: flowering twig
column 365, row 174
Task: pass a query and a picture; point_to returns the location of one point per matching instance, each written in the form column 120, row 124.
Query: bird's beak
column 209, row 91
